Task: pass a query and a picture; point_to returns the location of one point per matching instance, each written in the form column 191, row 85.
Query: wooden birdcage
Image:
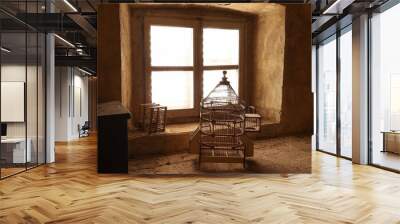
column 222, row 124
column 252, row 120
column 153, row 117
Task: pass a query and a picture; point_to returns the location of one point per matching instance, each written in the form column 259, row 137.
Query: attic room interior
column 187, row 47
column 137, row 111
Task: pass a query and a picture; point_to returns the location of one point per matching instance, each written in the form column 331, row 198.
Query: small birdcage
column 153, row 117
column 222, row 124
column 252, row 120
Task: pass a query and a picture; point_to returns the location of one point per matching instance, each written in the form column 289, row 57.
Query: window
column 172, row 66
column 185, row 61
column 334, row 91
column 220, row 52
column 394, row 101
column 327, row 96
column 212, row 77
column 171, row 46
column 385, row 88
column 346, row 74
column 22, row 100
column 173, row 88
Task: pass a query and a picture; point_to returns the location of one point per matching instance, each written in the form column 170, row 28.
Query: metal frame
column 317, row 96
column 338, row 95
column 28, row 28
column 369, row 91
column 149, row 123
column 387, row 5
column 336, row 36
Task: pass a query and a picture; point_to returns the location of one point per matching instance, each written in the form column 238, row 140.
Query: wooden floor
column 386, row 159
column 70, row 191
column 5, row 172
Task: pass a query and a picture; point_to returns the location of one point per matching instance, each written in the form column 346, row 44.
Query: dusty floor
column 277, row 155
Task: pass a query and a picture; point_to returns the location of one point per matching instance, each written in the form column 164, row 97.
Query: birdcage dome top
column 222, row 95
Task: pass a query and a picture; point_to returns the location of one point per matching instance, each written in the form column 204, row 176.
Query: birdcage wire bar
column 222, row 124
column 153, row 117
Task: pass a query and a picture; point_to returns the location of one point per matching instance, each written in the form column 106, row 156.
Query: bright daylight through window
column 172, row 63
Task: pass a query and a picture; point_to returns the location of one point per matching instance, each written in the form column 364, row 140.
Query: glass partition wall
column 13, row 89
column 385, row 89
column 334, row 93
column 345, row 91
column 22, row 98
column 327, row 89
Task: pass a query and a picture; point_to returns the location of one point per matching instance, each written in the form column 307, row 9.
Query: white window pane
column 173, row 89
column 211, row 78
column 327, row 97
column 220, row 46
column 394, row 97
column 346, row 94
column 171, row 46
column 385, row 91
column 395, row 80
column 395, row 102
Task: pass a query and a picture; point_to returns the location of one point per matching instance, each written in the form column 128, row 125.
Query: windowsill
column 170, row 129
column 268, row 122
column 181, row 128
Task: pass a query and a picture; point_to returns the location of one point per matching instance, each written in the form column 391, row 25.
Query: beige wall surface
column 297, row 98
column 109, row 53
column 268, row 58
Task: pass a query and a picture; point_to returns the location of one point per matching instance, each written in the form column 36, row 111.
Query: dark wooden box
column 112, row 138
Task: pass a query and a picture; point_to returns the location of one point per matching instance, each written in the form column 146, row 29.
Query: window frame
column 198, row 24
column 334, row 37
column 240, row 67
column 371, row 74
column 161, row 21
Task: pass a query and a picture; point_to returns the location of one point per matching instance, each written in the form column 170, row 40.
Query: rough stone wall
column 297, row 99
column 127, row 59
column 108, row 53
column 138, row 85
column 282, row 67
column 269, row 42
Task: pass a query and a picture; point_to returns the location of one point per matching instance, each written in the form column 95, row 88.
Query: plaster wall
column 126, row 58
column 267, row 64
column 297, row 98
column 109, row 53
column 71, row 102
